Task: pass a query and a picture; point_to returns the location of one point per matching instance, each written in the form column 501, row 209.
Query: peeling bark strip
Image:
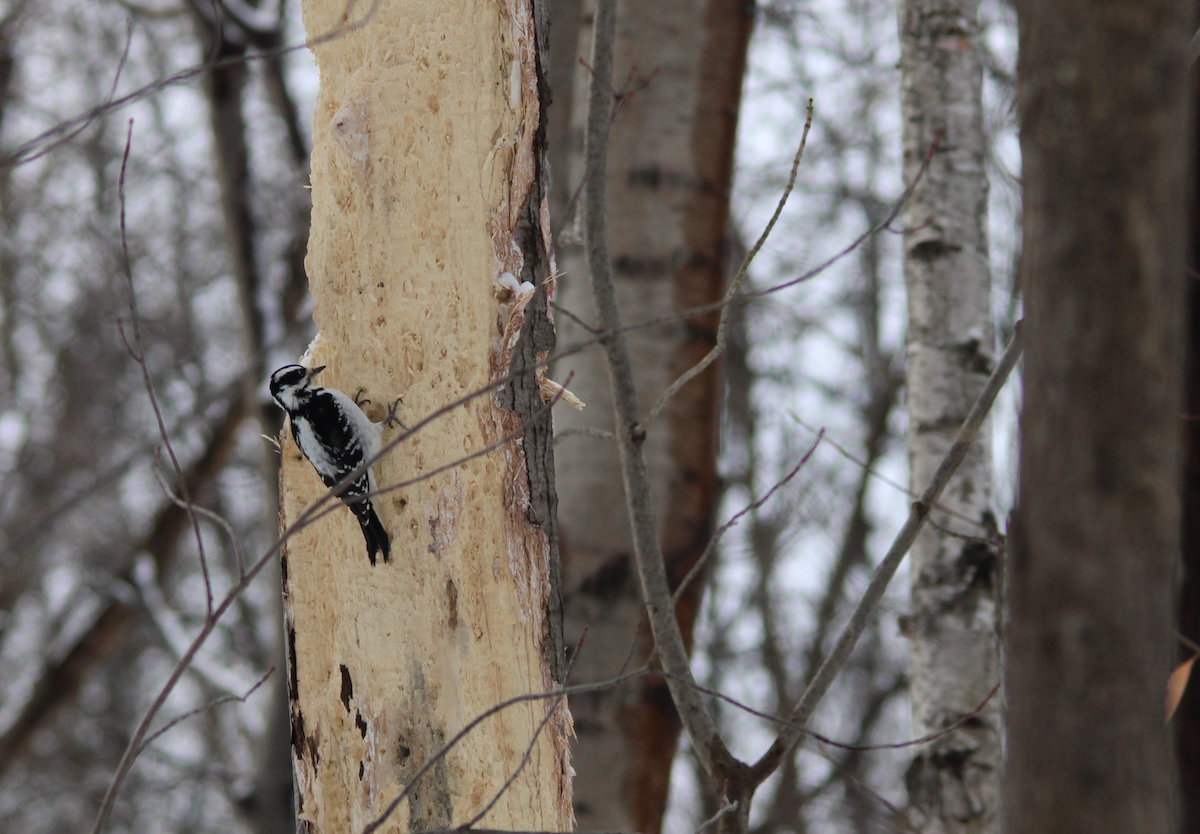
column 953, row 783
column 428, row 212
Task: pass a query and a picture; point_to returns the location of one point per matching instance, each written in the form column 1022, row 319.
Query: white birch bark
column 426, row 191
column 953, row 782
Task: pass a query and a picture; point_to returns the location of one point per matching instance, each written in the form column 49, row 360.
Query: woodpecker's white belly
column 312, row 448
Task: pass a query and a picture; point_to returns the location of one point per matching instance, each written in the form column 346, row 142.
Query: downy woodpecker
column 337, row 438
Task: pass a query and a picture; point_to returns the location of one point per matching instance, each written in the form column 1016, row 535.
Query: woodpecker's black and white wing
column 338, row 438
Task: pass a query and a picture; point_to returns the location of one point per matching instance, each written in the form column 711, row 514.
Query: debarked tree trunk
column 428, row 214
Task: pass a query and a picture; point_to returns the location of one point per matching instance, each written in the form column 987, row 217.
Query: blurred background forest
column 100, row 584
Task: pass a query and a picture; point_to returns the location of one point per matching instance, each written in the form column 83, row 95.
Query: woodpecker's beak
column 313, row 372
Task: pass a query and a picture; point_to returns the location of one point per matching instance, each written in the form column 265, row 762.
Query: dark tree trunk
column 1187, row 715
column 1102, row 97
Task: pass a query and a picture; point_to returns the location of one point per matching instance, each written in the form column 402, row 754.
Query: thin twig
column 1191, row 644
column 749, row 508
column 108, row 100
column 899, row 814
column 843, row 768
column 215, row 518
column 47, row 141
column 896, row 745
column 726, row 809
column 746, row 297
column 46, row 522
column 620, row 97
column 138, row 354
column 586, row 431
column 633, row 644
column 225, row 699
column 871, row 598
column 870, row 470
column 736, row 283
column 558, row 308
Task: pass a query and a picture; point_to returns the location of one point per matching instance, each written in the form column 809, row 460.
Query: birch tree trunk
column 427, row 186
column 954, row 658
column 1095, row 545
column 670, row 167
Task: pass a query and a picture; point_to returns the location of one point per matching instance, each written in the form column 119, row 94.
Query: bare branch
column 47, row 521
column 63, row 132
column 874, row 473
column 220, row 675
column 726, row 809
column 226, row 699
column 64, row 675
column 215, row 518
column 896, row 745
column 587, row 431
column 866, row 607
column 558, row 308
column 1191, row 644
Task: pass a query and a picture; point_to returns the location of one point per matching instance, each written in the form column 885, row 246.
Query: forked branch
column 869, row 603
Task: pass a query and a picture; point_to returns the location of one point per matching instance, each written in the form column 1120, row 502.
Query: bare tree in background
column 100, row 568
column 670, row 157
column 1095, row 545
column 228, row 41
column 797, row 565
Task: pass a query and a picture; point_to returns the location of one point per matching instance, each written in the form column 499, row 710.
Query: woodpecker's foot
column 359, row 402
column 391, row 421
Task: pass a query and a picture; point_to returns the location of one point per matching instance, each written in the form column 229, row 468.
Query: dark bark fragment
column 524, row 395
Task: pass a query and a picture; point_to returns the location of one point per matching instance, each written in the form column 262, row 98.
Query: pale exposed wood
column 954, row 656
column 424, row 163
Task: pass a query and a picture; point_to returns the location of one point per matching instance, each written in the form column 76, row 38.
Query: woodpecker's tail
column 373, row 532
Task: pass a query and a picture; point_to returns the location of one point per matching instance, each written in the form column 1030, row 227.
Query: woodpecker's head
column 291, row 385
